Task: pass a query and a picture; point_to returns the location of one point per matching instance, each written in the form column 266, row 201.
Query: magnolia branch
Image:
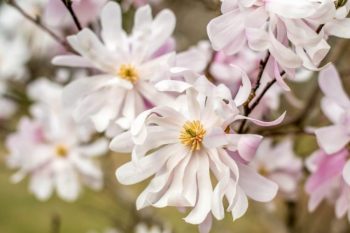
column 39, row 24
column 247, row 108
column 69, row 6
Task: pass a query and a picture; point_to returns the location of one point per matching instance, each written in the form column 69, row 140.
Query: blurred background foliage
column 20, row 212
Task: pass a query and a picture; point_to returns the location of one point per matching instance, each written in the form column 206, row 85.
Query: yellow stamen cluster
column 263, row 171
column 192, row 134
column 128, row 72
column 61, row 151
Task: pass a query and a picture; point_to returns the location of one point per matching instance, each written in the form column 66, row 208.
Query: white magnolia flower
column 182, row 145
column 50, row 150
column 293, row 32
column 128, row 69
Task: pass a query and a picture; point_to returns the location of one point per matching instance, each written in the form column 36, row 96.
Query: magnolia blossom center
column 61, row 151
column 192, row 134
column 128, row 72
column 263, row 171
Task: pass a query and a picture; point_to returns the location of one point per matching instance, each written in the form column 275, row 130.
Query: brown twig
column 247, row 109
column 55, row 223
column 69, row 6
column 37, row 22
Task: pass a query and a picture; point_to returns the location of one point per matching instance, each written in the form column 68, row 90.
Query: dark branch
column 38, row 23
column 69, row 6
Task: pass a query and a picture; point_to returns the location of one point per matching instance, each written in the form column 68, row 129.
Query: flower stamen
column 61, row 151
column 128, row 72
column 192, row 134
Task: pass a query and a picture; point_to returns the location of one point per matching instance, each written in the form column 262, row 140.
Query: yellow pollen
column 129, row 73
column 61, row 151
column 263, row 171
column 192, row 134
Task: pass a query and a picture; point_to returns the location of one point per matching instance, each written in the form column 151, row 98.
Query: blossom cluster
column 198, row 124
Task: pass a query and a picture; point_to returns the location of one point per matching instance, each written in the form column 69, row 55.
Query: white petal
column 332, row 138
column 205, row 192
column 41, row 184
column 331, row 86
column 134, row 172
column 256, row 186
column 122, row 143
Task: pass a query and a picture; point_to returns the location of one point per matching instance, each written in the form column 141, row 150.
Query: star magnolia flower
column 330, row 179
column 336, row 106
column 182, row 145
column 287, row 29
column 56, row 14
column 279, row 164
column 128, row 69
column 50, row 150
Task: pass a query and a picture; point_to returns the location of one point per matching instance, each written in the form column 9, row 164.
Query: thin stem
column 252, row 95
column 69, row 6
column 37, row 22
column 247, row 109
column 55, row 223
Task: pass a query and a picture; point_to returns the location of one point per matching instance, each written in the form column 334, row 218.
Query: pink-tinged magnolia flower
column 287, row 29
column 336, row 106
column 128, row 69
column 279, row 164
column 49, row 150
column 181, row 146
column 330, row 179
column 56, row 14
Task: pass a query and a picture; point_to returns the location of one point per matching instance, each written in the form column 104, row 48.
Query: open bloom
column 50, row 150
column 336, row 106
column 291, row 31
column 330, row 180
column 183, row 145
column 279, row 164
column 127, row 65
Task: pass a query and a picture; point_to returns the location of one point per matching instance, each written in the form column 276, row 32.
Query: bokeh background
column 20, row 212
